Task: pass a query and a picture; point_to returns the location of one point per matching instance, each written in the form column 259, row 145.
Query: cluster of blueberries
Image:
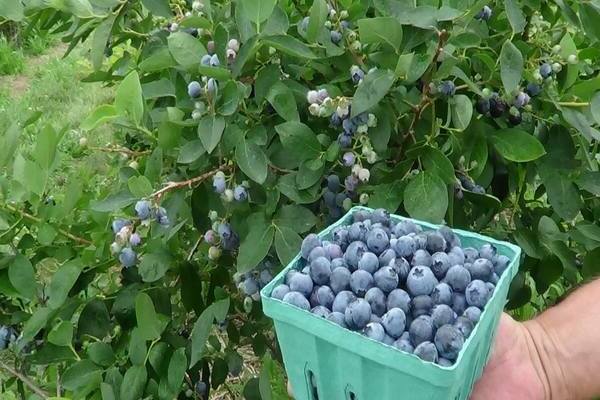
column 465, row 182
column 220, row 237
column 492, row 105
column 238, row 193
column 339, row 198
column 125, row 236
column 418, row 291
column 8, row 335
column 250, row 283
column 336, row 23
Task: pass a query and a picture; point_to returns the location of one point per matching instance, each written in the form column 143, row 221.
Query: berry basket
column 328, row 362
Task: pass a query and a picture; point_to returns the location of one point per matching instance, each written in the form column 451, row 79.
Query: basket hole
column 312, row 384
column 352, row 396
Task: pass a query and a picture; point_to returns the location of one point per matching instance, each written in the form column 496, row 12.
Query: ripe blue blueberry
column 354, row 253
column 212, row 86
column 333, row 183
column 194, row 89
column 388, row 340
column 394, row 322
column 143, row 209
column 310, row 242
column 320, row 270
column 440, row 264
column 500, row 264
column 458, row 277
column 442, row 315
column 280, row 291
column 487, row 251
column 128, row 257
column 375, row 331
column 435, row 242
column 119, row 224
column 449, row 341
column 344, row 140
column 402, row 268
column 545, row 70
column 470, row 254
column 374, row 317
column 360, row 282
column 348, row 159
column 376, row 299
column 421, row 305
column 205, row 60
column 405, row 246
column 481, row 269
column 356, row 74
column 387, row 257
column 442, row 294
column 335, row 120
column 447, row 88
column 301, row 283
column 337, row 318
column 497, row 106
column 473, row 314
column 456, row 256
column 464, row 325
column 404, row 345
column 214, row 61
column 339, row 279
column 320, row 311
column 477, row 293
column 459, row 303
column 405, row 227
column 240, row 193
column 336, row 37
column 341, row 301
column 317, row 252
column 422, row 258
column 340, row 236
column 485, row 14
column 444, row 362
column 426, row 351
column 377, row 240
column 368, row 262
column 250, row 286
column 451, row 238
column 297, row 299
column 349, row 127
column 421, row 330
column 386, row 279
column 219, row 184
column 420, row 281
column 201, row 390
column 533, row 89
column 324, row 296
column 483, row 106
column 398, row 298
column 135, row 239
column 333, row 251
column 358, row 314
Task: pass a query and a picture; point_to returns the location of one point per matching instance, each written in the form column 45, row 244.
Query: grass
column 12, row 60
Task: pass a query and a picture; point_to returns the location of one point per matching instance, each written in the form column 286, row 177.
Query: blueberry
column 135, row 239
column 345, row 141
column 387, row 257
column 482, row 106
column 375, row 331
column 449, row 341
column 341, row 301
column 444, row 362
column 351, row 183
column 214, row 61
column 333, row 183
column 376, row 299
column 288, row 276
column 360, row 282
column 219, row 184
column 380, row 215
column 464, row 325
column 333, row 250
column 324, row 296
column 161, row 216
column 487, row 251
column 497, row 106
column 280, row 291
column 545, row 70
column 456, row 256
column 515, row 118
column 421, row 305
column 194, row 89
column 533, row 89
column 405, row 227
column 240, row 193
column 297, row 299
column 473, row 314
column 338, row 318
column 405, row 246
column 435, row 242
column 386, row 279
column 388, row 340
column 501, row 263
column 361, row 215
column 470, row 254
column 201, row 389
column 205, row 60
column 348, row 159
column 301, row 283
column 452, row 240
column 420, row 281
column 440, row 264
column 402, row 268
column 340, row 236
column 349, row 127
column 398, row 298
column 143, row 209
column 265, row 277
column 442, row 294
column 128, row 257
column 357, row 74
column 224, row 231
column 422, row 258
column 459, row 303
column 443, row 315
column 404, row 345
column 340, row 279
column 521, row 100
column 477, row 293
column 485, row 14
column 458, row 277
column 394, row 322
column 310, row 242
column 354, row 253
column 320, row 270
column 494, row 279
column 481, row 269
column 317, row 252
column 421, row 330
column 320, row 311
column 358, row 314
column 375, row 318
column 119, row 224
column 368, row 262
column 426, row 351
column 335, row 122
column 377, row 240
column 447, row 88
column 250, row 286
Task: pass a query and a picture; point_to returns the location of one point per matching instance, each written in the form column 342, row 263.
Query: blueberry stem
column 28, row 382
column 188, row 183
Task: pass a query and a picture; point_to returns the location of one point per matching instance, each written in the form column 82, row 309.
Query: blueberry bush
column 238, row 127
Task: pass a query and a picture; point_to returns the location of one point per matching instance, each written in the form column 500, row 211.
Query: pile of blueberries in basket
column 419, row 291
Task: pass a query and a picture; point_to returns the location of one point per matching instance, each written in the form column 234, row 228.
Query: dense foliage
column 239, row 126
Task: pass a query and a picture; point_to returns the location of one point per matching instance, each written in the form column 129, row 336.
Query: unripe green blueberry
column 272, row 50
column 196, row 115
column 556, row 67
column 356, row 46
column 228, row 196
column 537, row 77
column 220, row 175
column 213, row 215
column 556, row 49
column 364, row 175
column 115, row 248
column 210, row 47
column 344, row 14
column 214, row 252
column 83, row 142
column 328, row 24
column 234, row 45
column 189, row 393
column 352, row 36
column 134, row 165
column 364, row 198
column 572, row 59
column 372, row 121
column 248, row 304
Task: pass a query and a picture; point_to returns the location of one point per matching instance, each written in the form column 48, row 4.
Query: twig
column 28, row 382
column 122, row 150
column 195, row 248
column 38, row 220
column 278, row 169
column 572, row 104
column 188, row 183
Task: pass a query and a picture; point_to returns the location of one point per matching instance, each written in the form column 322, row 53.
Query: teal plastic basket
column 327, row 362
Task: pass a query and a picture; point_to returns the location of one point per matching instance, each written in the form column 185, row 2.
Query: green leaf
column 134, row 383
column 62, row 282
column 595, row 107
column 29, row 174
column 372, row 90
column 114, row 202
column 298, row 218
column 99, row 39
column 177, row 368
column 22, row 276
column 580, row 122
column 381, row 30
column 462, row 112
column 252, row 160
column 426, row 197
column 9, row 141
column 137, row 347
column 287, row 244
column 147, row 319
column 191, row 151
column 591, row 267
column 219, row 73
column 257, row 11
column 158, row 88
column 35, row 323
column 309, row 173
column 230, row 98
column 154, row 265
column 185, row 49
column 218, row 310
column 590, row 15
column 81, row 374
column 562, row 192
column 589, row 181
column 12, row 10
column 139, row 186
column 515, row 16
column 94, row 320
column 511, row 66
column 159, row 8
column 517, row 145
column 387, row 195
column 210, row 130
column 289, row 45
column 255, row 246
column 283, row 101
column 61, row 334
column 129, row 100
column 318, row 16
column 101, row 353
column 437, row 163
column 287, row 185
column 102, row 114
column 299, row 138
